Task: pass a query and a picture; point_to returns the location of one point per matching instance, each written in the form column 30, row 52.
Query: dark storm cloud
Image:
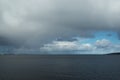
column 4, row 41
column 36, row 22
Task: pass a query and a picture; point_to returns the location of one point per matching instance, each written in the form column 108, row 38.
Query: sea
column 60, row 67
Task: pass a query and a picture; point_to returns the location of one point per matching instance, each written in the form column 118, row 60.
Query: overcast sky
column 36, row 23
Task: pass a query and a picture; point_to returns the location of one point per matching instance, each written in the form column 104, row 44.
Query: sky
column 75, row 26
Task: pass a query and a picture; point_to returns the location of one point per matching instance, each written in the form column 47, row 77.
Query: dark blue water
column 29, row 67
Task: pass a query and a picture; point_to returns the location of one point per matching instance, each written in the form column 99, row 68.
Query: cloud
column 61, row 46
column 37, row 22
column 104, row 43
column 102, row 46
column 67, row 46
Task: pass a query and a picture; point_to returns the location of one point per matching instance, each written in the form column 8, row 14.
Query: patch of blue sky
column 108, row 35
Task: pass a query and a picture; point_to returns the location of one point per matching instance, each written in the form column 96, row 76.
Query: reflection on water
column 105, row 67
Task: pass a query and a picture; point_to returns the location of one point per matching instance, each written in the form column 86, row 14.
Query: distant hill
column 116, row 53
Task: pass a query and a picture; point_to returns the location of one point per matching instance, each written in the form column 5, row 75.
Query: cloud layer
column 102, row 46
column 37, row 22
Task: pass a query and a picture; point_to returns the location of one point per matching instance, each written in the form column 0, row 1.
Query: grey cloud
column 4, row 41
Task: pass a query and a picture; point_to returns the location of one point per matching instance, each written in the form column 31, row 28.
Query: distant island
column 116, row 53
